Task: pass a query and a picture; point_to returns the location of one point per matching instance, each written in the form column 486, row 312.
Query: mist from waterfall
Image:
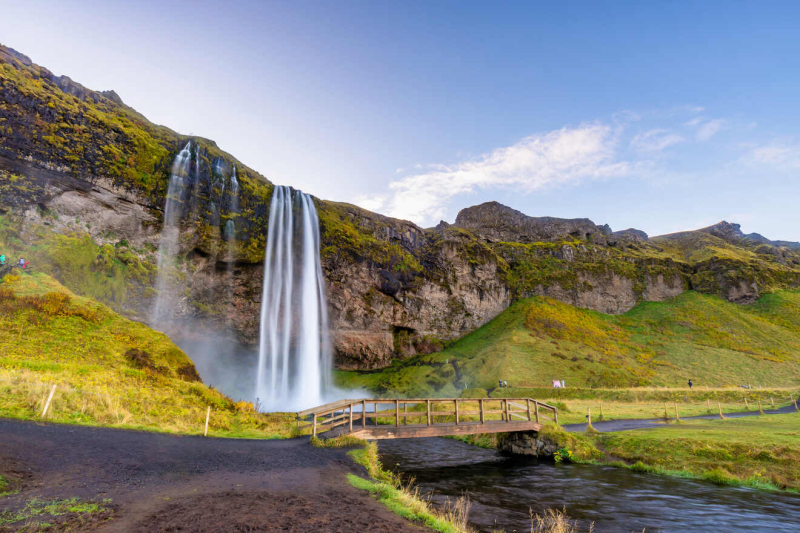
column 168, row 243
column 294, row 359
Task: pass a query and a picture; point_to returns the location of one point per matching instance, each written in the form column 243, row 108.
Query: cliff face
column 83, row 180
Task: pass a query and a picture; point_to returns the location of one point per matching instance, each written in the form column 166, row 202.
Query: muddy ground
column 165, row 483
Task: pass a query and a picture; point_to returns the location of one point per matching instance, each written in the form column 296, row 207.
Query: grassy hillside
column 702, row 337
column 108, row 370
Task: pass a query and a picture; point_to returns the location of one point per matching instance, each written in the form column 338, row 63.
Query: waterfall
column 168, row 242
column 294, row 359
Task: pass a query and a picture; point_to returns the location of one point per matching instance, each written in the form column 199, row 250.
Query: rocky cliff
column 84, row 180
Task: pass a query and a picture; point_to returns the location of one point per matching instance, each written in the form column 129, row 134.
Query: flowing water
column 168, row 243
column 503, row 489
column 294, row 359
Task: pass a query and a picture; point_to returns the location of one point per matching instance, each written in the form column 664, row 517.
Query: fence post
column 405, row 411
column 363, row 413
column 351, row 418
column 528, row 408
column 508, row 418
column 589, row 417
column 677, row 416
column 773, row 402
column 746, row 406
column 601, row 411
column 208, row 415
column 455, row 404
column 666, row 416
column 428, row 402
column 720, row 410
column 708, row 402
column 760, row 410
column 397, row 413
column 314, row 431
column 536, row 410
column 49, row 399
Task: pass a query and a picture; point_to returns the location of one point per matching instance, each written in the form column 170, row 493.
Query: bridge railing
column 355, row 413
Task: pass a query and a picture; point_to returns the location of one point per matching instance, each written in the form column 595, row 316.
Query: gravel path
column 161, row 482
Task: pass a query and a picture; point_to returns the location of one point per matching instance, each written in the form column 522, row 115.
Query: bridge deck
column 426, row 417
column 442, row 430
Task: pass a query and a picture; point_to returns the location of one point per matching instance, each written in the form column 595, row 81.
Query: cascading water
column 168, row 243
column 294, row 359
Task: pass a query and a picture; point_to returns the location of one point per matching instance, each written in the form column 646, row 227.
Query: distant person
column 691, row 384
column 505, row 383
column 500, row 383
column 2, row 260
column 21, row 263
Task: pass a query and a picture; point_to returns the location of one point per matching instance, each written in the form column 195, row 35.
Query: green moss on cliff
column 696, row 336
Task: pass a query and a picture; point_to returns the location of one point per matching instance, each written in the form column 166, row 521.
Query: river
column 503, row 489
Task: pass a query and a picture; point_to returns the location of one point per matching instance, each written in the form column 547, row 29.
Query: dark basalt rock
column 496, row 222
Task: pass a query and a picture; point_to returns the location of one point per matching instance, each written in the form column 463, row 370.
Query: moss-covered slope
column 108, row 370
column 693, row 336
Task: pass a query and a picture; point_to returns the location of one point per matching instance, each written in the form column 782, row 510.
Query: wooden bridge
column 434, row 417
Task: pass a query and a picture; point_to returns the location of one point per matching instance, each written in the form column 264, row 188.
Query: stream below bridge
column 503, row 489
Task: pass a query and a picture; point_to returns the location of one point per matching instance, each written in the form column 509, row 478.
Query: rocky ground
column 168, row 483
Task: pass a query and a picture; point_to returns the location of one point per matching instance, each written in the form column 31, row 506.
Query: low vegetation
column 405, row 500
column 107, row 370
column 693, row 336
column 35, row 513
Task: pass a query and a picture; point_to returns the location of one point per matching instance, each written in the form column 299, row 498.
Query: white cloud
column 781, row 155
column 562, row 156
column 694, row 122
column 655, row 140
column 709, row 129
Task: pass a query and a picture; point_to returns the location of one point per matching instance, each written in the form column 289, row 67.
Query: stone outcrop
column 528, row 443
column 498, row 223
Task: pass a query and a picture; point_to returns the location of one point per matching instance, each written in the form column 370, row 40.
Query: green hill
column 697, row 336
column 108, row 370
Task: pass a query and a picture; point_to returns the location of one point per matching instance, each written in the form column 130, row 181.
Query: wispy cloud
column 655, row 140
column 781, row 155
column 562, row 156
column 709, row 129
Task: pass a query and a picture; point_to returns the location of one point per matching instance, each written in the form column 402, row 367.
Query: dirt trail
column 160, row 483
column 608, row 426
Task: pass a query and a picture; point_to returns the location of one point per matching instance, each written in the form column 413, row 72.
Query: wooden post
column 601, row 411
column 351, row 418
column 508, row 418
column 363, row 413
column 528, row 408
column 746, row 405
column 773, row 402
column 455, row 403
column 483, row 418
column 428, row 402
column 795, row 406
column 397, row 413
column 708, row 402
column 314, row 430
column 589, row 418
column 555, row 416
column 677, row 416
column 536, row 410
column 405, row 411
column 760, row 410
column 208, row 415
column 720, row 410
column 47, row 403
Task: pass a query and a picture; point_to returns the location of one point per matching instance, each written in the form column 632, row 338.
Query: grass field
column 762, row 452
column 108, row 370
column 693, row 336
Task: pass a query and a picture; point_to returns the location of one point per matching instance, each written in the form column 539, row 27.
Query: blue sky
column 661, row 116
